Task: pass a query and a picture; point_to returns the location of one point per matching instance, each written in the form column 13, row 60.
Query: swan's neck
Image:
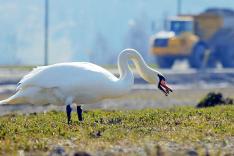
column 126, row 76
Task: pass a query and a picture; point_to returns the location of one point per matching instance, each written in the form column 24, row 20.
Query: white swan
column 82, row 83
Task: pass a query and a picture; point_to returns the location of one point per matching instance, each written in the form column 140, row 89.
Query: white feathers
column 28, row 76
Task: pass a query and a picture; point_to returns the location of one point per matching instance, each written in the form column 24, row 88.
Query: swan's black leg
column 69, row 110
column 79, row 113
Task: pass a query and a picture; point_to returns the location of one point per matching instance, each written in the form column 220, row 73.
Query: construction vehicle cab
column 179, row 25
column 176, row 43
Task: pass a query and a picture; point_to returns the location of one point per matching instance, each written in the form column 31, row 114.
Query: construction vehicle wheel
column 196, row 59
column 165, row 61
column 227, row 59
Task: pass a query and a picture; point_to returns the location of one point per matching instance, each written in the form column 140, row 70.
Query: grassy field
column 171, row 131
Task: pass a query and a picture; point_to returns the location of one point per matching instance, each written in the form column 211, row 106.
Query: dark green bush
column 213, row 99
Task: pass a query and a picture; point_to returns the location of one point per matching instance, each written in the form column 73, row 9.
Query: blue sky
column 80, row 29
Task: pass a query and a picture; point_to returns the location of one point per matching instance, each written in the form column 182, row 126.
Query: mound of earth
column 213, row 99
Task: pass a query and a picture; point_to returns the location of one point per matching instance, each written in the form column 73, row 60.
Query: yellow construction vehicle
column 204, row 39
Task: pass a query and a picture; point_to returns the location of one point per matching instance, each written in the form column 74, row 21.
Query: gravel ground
column 159, row 148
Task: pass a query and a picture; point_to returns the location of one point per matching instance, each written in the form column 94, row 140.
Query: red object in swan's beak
column 164, row 88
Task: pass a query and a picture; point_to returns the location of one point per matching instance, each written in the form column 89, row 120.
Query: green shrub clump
column 213, row 99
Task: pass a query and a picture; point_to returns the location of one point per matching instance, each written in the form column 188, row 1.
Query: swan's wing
column 29, row 76
column 67, row 75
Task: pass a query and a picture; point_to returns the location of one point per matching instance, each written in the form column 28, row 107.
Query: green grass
column 102, row 130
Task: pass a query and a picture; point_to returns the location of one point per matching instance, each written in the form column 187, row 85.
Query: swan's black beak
column 163, row 86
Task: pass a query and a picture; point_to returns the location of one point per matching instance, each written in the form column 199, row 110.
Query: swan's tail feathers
column 15, row 99
column 4, row 102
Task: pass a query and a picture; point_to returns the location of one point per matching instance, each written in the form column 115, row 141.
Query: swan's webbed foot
column 69, row 110
column 79, row 113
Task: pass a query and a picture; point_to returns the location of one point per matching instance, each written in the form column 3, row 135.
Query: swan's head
column 162, row 85
column 155, row 77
